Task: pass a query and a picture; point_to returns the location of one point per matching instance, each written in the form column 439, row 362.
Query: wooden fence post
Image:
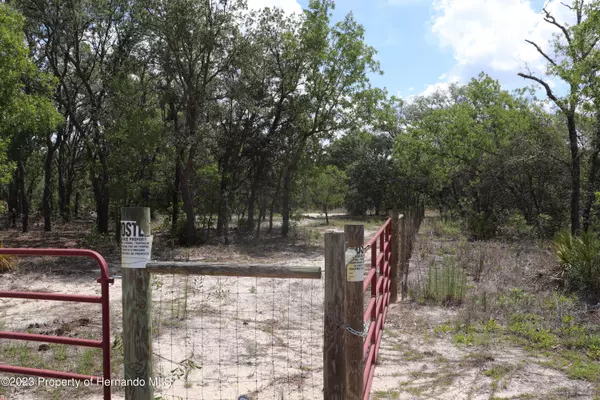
column 355, row 237
column 395, row 256
column 137, row 301
column 334, row 306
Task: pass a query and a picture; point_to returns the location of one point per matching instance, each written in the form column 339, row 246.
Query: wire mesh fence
column 225, row 337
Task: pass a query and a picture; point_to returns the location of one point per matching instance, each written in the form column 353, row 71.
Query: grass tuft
column 446, row 285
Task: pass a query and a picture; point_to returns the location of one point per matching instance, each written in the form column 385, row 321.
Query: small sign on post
column 136, row 246
column 355, row 271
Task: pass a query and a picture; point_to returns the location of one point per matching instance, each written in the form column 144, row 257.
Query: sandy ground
column 415, row 363
column 214, row 338
column 218, row 338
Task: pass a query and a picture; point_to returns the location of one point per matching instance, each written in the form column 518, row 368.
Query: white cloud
column 440, row 86
column 490, row 36
column 289, row 6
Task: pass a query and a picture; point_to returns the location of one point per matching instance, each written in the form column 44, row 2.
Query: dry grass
column 7, row 262
column 512, row 297
column 515, row 334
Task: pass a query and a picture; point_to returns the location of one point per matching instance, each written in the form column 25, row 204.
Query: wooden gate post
column 395, row 256
column 355, row 237
column 137, row 301
column 335, row 317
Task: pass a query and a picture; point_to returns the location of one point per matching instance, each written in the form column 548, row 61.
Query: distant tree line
column 198, row 109
column 206, row 111
column 490, row 156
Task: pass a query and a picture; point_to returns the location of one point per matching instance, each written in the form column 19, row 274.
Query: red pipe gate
column 377, row 307
column 103, row 299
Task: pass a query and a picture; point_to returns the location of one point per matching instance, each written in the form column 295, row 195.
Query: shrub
column 482, row 226
column 446, row 228
column 181, row 233
column 516, row 227
column 579, row 258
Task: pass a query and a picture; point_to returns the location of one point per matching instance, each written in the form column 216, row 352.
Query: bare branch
column 551, row 20
column 549, row 92
column 547, row 57
column 568, row 6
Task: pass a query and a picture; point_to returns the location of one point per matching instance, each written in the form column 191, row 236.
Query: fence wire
column 226, row 337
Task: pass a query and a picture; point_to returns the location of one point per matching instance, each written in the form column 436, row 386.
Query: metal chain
column 363, row 334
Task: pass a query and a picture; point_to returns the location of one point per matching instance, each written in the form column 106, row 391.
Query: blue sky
column 426, row 44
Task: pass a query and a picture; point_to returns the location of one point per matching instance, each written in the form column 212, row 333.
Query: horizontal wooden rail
column 240, row 270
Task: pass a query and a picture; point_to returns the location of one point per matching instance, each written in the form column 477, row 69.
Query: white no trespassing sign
column 355, row 271
column 135, row 245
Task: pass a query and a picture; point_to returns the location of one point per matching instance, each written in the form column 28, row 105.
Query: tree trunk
column 19, row 185
column 592, row 178
column 62, row 195
column 104, row 214
column 273, row 202
column 271, row 214
column 100, row 180
column 47, row 200
column 326, row 216
column 24, row 199
column 261, row 216
column 285, row 202
column 223, row 206
column 222, row 212
column 102, row 201
column 188, row 208
column 76, row 207
column 575, row 174
column 175, row 196
column 68, row 193
column 117, row 221
column 13, row 193
column 253, row 189
column 102, row 206
column 251, row 200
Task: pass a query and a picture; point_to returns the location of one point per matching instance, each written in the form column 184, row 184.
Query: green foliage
column 328, row 188
column 484, row 153
column 446, row 228
column 529, row 327
column 365, row 157
column 25, row 107
column 516, row 227
column 579, row 258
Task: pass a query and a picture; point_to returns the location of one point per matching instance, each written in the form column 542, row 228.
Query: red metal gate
column 103, row 299
column 380, row 282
